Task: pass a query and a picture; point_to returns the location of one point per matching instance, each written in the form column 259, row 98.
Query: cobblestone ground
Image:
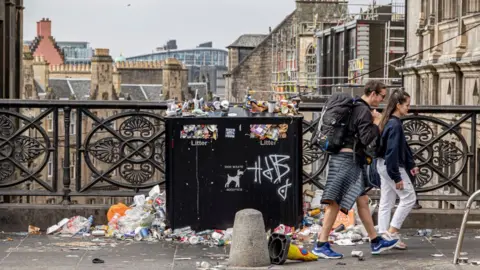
column 49, row 252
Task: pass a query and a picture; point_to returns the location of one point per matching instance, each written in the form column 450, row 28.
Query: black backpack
column 334, row 122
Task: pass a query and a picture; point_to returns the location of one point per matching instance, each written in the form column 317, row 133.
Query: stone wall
column 27, row 85
column 40, row 70
column 255, row 71
column 175, row 80
column 306, row 10
column 232, row 58
column 141, row 76
column 62, row 71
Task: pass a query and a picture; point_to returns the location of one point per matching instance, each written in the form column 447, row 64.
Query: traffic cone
column 300, row 254
column 280, row 249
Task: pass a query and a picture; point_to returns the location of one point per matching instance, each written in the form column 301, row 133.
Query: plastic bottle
column 80, row 225
column 314, row 212
column 340, row 228
column 113, row 224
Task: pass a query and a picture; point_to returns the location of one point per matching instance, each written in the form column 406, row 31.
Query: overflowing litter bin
column 216, row 166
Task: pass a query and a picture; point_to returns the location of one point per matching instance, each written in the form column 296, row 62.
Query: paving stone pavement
column 50, row 252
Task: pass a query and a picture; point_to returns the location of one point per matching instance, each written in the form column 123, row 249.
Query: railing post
column 66, row 158
column 473, row 159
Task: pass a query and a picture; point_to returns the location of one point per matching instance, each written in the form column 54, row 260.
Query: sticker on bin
column 268, row 131
column 199, row 132
column 230, row 133
column 233, row 181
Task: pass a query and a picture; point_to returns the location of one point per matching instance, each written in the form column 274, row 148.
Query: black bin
column 208, row 180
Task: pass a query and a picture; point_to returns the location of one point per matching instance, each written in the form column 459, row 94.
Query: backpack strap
column 320, row 121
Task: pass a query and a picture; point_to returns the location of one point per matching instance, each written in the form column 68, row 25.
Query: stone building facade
column 100, row 80
column 447, row 73
column 281, row 61
column 442, row 67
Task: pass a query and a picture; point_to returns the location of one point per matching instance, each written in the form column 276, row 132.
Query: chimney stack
column 41, row 70
column 102, row 75
column 44, row 28
column 175, row 80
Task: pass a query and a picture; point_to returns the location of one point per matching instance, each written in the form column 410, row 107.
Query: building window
column 448, row 10
column 51, row 201
column 473, row 6
column 72, row 123
column 311, row 66
column 426, row 8
column 353, row 45
column 476, row 95
column 50, row 122
column 91, row 201
column 72, row 166
column 114, row 122
column 341, row 64
column 449, row 98
column 50, row 167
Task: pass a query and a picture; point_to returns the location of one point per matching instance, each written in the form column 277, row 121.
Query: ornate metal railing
column 103, row 149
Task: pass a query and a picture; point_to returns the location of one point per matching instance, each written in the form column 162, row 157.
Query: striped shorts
column 345, row 181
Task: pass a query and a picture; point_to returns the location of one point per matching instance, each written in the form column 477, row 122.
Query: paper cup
column 271, row 106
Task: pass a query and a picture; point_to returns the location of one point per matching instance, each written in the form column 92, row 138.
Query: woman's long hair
column 397, row 97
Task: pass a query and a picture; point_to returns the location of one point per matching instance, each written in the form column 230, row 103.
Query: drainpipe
column 405, row 43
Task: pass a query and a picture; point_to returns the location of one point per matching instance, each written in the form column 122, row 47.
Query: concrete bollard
column 249, row 244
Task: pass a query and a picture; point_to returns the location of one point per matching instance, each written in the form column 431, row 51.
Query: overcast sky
column 147, row 24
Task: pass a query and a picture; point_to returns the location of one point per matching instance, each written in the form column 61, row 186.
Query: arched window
column 311, row 66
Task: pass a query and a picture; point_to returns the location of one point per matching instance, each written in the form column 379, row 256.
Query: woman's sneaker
column 383, row 245
column 326, row 252
column 391, row 236
column 417, row 206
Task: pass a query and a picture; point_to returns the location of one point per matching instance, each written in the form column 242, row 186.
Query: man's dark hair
column 374, row 86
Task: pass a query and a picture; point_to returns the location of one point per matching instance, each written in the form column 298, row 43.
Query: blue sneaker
column 326, row 252
column 383, row 245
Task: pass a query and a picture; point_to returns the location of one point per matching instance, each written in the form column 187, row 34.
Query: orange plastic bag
column 119, row 208
column 346, row 220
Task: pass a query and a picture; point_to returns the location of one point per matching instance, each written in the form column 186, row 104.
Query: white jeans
column 388, row 196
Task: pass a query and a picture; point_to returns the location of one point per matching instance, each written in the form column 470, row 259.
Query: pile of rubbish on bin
column 283, row 107
column 199, row 107
column 145, row 220
column 199, row 132
column 267, row 131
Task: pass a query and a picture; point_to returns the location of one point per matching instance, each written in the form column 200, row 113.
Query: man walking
column 346, row 174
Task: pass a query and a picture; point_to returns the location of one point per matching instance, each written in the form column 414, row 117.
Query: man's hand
column 376, row 117
column 415, row 171
column 399, row 185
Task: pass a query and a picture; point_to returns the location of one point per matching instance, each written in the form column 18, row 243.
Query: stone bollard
column 249, row 244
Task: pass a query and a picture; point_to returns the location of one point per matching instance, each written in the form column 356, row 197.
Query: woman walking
column 395, row 160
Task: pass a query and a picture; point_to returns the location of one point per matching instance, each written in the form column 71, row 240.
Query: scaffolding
column 394, row 46
column 284, row 59
column 290, row 74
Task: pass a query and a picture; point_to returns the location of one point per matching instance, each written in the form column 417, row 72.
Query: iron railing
column 79, row 148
